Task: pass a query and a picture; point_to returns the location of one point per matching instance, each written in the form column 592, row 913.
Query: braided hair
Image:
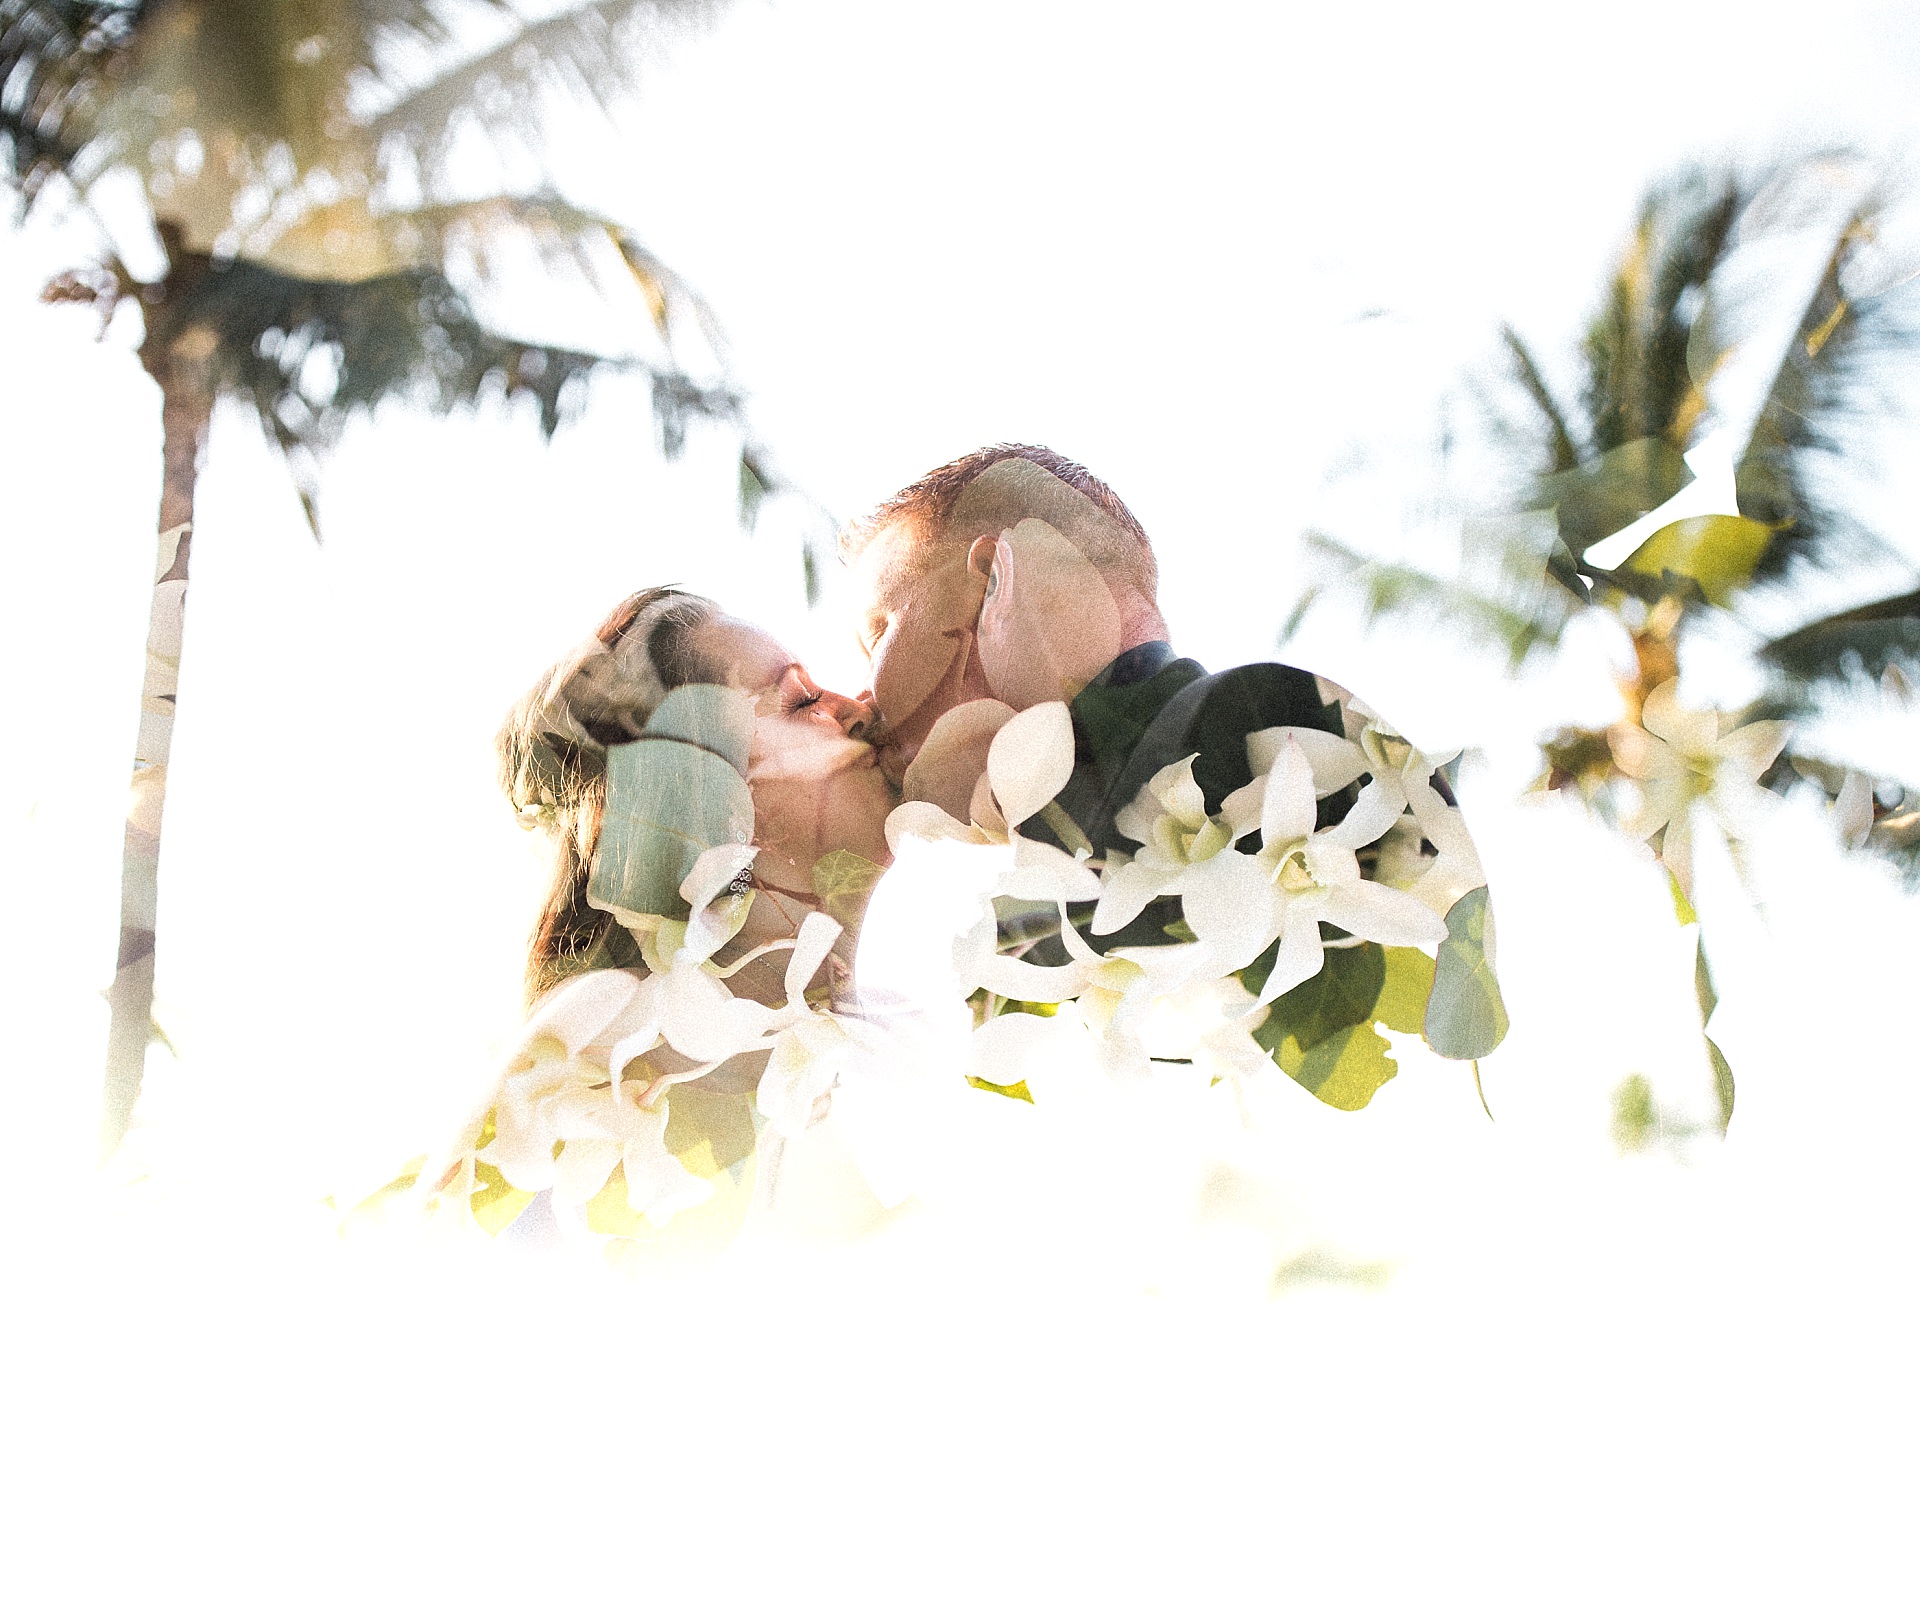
column 553, row 762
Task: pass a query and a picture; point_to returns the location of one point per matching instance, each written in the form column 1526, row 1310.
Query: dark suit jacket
column 1149, row 708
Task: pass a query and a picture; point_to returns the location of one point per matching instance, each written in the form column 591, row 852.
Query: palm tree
column 1682, row 312
column 292, row 156
column 1591, row 462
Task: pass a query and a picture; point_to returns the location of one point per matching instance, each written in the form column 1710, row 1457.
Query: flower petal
column 818, row 932
column 1179, row 794
column 1044, row 873
column 799, row 1072
column 1125, row 890
column 1288, row 811
column 1336, row 762
column 1752, row 749
column 1691, row 732
column 582, row 1169
column 922, row 820
column 1241, row 809
column 1030, row 760
column 1379, row 805
column 629, row 1048
column 579, row 1009
column 1300, row 955
column 705, row 1021
column 1231, row 905
column 713, row 871
column 658, row 1185
column 1380, row 913
column 1853, row 809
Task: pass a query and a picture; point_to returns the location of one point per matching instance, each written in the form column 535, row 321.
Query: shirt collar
column 1135, row 665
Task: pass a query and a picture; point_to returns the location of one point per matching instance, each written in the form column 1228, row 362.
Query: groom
column 1011, row 577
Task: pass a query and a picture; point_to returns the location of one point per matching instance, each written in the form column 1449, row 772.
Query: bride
column 671, row 956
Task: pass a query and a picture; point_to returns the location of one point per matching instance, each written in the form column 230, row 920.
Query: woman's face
column 815, row 788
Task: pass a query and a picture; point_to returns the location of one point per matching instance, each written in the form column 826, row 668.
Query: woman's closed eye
column 798, row 692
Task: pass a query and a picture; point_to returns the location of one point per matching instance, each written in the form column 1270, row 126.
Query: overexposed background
column 1214, row 258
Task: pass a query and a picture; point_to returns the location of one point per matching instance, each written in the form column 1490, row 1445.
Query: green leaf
column 708, row 715
column 1018, row 1090
column 753, row 489
column 1709, row 999
column 843, row 880
column 1465, row 1017
column 1682, row 907
column 1722, row 1083
column 1409, row 983
column 1340, row 996
column 1719, row 552
column 496, row 1203
column 667, row 802
column 380, row 1199
column 1634, row 1116
column 1597, row 500
column 608, row 1211
column 1345, row 1070
column 1055, row 817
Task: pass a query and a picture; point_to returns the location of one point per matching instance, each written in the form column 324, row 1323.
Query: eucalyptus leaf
column 1709, row 1000
column 1465, row 1017
column 667, row 802
column 709, row 715
column 1403, row 996
column 1340, row 996
column 496, row 1203
column 1345, row 1070
column 1719, row 552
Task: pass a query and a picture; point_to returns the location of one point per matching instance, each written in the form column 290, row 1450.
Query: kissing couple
column 1039, row 841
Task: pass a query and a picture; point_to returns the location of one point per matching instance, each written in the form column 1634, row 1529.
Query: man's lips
column 895, row 758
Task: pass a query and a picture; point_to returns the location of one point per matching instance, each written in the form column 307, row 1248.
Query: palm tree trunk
column 181, row 367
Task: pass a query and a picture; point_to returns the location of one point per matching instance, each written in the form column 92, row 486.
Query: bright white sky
column 1208, row 260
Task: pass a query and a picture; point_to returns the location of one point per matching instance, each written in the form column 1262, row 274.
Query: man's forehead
column 895, row 560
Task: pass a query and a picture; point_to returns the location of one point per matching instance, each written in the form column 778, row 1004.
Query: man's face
column 917, row 624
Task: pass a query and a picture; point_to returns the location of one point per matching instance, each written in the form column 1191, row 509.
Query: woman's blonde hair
column 553, row 762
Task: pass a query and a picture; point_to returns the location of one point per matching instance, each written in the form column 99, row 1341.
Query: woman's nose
column 854, row 715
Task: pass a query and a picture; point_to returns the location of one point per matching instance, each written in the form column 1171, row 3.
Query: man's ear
column 990, row 559
column 982, row 554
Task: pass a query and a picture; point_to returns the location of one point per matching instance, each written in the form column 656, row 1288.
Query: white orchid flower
column 563, row 1123
column 811, row 1046
column 1682, row 759
column 1237, row 904
column 1028, row 764
column 1852, row 810
column 1121, row 996
column 1401, row 779
column 691, row 1007
column 1169, row 821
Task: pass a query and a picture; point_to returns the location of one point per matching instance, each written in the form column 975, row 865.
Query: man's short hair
column 939, row 509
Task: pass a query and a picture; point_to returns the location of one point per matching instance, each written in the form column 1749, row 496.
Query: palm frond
column 1563, row 452
column 1518, row 628
column 1822, row 392
column 587, row 49
column 1638, row 381
column 311, row 354
column 53, row 56
column 1852, row 644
